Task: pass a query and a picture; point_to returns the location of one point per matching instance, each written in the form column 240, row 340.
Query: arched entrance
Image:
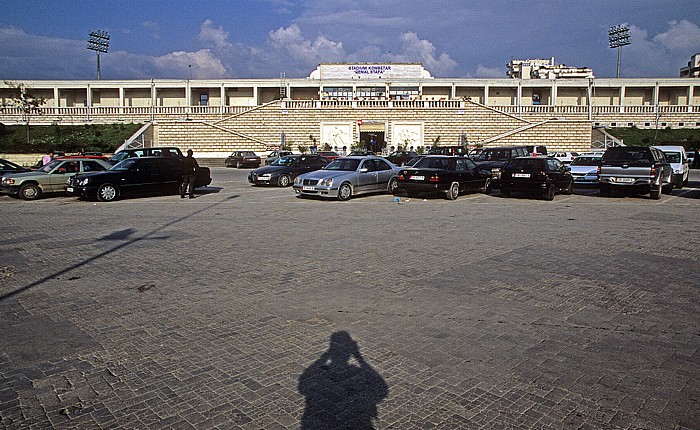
column 373, row 136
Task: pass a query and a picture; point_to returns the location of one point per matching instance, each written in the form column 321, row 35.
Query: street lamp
column 618, row 36
column 98, row 42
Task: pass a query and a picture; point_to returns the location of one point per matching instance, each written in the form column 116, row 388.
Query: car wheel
column 488, row 185
column 344, row 192
column 656, row 192
column 453, row 192
column 283, row 181
column 29, row 192
column 107, row 193
column 604, row 190
column 393, row 187
column 549, row 193
column 238, row 164
column 569, row 188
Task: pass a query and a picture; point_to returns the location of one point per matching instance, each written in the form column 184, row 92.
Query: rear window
column 432, row 163
column 586, row 161
column 627, row 155
column 527, row 164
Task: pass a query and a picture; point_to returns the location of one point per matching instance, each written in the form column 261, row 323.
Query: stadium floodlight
column 618, row 36
column 98, row 41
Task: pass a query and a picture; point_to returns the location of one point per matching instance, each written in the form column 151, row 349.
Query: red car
column 330, row 155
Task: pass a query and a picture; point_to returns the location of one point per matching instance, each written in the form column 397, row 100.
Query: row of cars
column 641, row 169
column 128, row 172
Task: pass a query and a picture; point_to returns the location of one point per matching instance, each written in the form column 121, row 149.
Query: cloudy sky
column 262, row 38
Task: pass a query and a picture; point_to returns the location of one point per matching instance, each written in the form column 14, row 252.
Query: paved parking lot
column 250, row 308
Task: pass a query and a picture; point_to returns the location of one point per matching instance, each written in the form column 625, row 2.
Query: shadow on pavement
column 341, row 389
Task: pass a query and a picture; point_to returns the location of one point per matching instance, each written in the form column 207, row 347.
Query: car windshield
column 673, row 157
column 119, row 156
column 493, row 154
column 586, row 161
column 627, row 155
column 4, row 164
column 347, row 164
column 284, row 161
column 46, row 168
column 124, row 165
column 432, row 163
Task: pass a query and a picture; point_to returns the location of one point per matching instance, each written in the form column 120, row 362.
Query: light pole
column 618, row 36
column 98, row 42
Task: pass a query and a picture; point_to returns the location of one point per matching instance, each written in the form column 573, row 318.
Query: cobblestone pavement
column 250, row 308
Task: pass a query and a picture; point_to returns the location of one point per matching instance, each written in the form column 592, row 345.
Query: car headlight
column 84, row 181
column 297, row 180
column 495, row 170
column 8, row 181
column 326, row 182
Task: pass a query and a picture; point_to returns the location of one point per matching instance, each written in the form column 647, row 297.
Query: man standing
column 189, row 175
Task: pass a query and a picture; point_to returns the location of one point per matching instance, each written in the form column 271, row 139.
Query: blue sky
column 263, row 38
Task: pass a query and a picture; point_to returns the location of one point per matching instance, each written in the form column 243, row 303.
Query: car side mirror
column 364, row 170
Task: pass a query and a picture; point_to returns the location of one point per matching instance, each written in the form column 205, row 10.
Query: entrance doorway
column 373, row 140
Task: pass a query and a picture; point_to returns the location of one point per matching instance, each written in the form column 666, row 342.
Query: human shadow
column 342, row 390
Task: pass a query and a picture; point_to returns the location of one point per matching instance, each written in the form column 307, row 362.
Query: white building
column 693, row 68
column 545, row 69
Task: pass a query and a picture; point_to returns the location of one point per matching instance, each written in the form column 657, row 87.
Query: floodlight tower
column 98, row 42
column 619, row 35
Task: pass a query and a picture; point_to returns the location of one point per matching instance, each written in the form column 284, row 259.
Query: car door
column 139, row 178
column 469, row 174
column 367, row 176
column 59, row 176
column 384, row 174
column 555, row 170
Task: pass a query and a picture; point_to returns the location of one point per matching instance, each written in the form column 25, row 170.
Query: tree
column 27, row 103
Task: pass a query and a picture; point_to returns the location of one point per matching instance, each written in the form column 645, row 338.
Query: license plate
column 69, row 189
column 625, row 180
column 417, row 178
column 308, row 188
column 263, row 178
column 521, row 175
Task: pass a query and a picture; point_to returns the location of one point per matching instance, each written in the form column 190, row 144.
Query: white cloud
column 216, row 37
column 681, row 36
column 489, row 72
column 423, row 51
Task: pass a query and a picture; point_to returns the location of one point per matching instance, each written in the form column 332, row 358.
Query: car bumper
column 627, row 182
column 586, row 180
column 316, row 190
column 530, row 186
column 417, row 187
column 12, row 190
column 262, row 180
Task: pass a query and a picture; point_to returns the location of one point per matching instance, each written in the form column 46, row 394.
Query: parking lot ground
column 250, row 308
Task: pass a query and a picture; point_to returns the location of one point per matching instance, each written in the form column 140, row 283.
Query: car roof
column 670, row 148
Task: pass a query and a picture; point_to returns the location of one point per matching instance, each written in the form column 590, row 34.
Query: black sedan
column 401, row 157
column 538, row 175
column 7, row 166
column 451, row 175
column 240, row 159
column 144, row 175
column 283, row 170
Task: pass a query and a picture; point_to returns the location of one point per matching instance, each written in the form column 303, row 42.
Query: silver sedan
column 348, row 176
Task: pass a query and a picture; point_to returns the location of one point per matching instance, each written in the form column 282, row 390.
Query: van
column 678, row 159
column 536, row 150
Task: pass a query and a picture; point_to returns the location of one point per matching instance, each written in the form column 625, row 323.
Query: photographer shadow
column 341, row 389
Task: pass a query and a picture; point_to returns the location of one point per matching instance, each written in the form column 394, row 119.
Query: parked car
column 283, row 170
column 345, row 177
column 691, row 158
column 49, row 178
column 641, row 169
column 133, row 176
column 565, row 157
column 494, row 158
column 203, row 173
column 450, row 175
column 680, row 164
column 7, row 166
column 544, row 176
column 449, row 150
column 330, row 155
column 154, row 151
column 401, row 157
column 274, row 155
column 584, row 169
column 536, row 150
column 240, row 159
column 413, row 160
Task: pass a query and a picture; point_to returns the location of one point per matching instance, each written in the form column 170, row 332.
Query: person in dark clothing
column 189, row 175
column 696, row 158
